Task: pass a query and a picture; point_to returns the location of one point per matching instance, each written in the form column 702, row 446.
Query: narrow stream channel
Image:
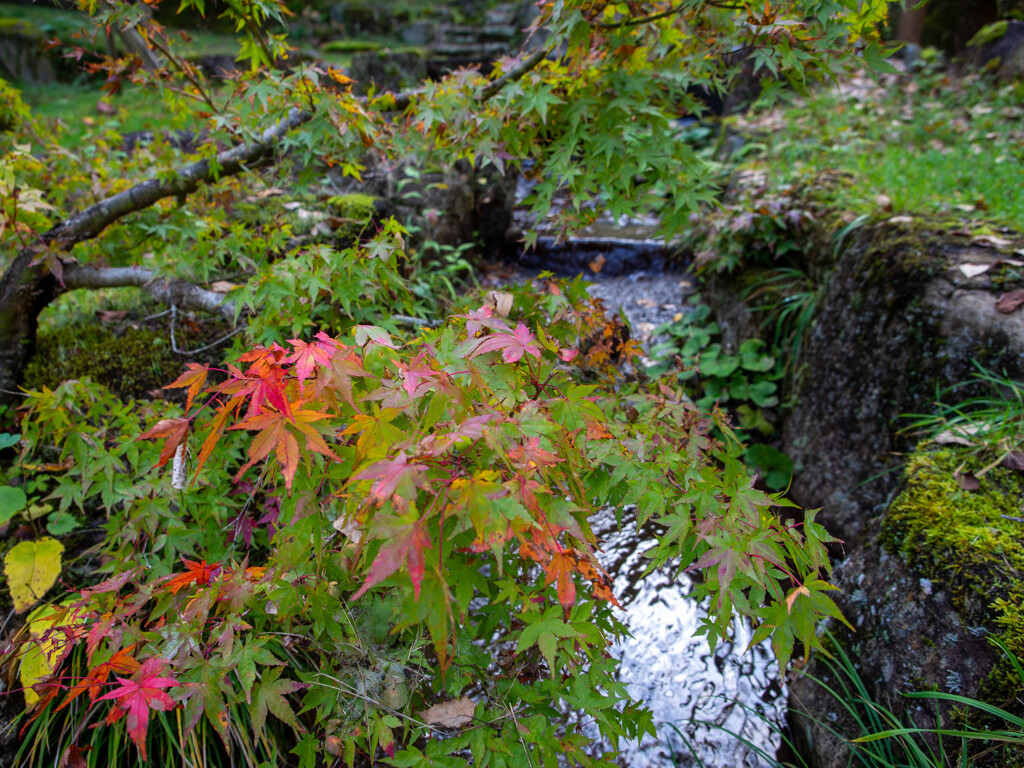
column 699, row 699
column 716, row 710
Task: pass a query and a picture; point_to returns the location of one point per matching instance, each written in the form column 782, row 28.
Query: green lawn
column 931, row 143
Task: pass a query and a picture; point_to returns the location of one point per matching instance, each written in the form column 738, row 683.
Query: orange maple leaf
column 174, row 430
column 199, row 573
column 194, row 378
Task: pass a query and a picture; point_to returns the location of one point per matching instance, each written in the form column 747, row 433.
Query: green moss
column 351, row 46
column 19, row 27
column 356, row 211
column 988, row 34
column 971, row 542
column 12, row 109
column 129, row 365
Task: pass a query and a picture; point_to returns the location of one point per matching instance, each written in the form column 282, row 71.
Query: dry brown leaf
column 973, row 270
column 991, row 241
column 1008, row 302
column 500, row 302
column 966, row 480
column 222, row 286
column 110, row 315
column 1014, row 460
column 597, row 264
column 456, row 713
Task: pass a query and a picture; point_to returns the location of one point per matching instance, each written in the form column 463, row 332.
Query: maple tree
column 376, row 520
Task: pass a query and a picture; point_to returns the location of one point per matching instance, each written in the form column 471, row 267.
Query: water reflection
column 697, row 697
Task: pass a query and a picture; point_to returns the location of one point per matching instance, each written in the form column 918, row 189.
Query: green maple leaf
column 544, row 632
column 270, row 696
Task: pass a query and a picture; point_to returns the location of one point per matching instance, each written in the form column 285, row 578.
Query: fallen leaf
column 597, row 264
column 948, row 437
column 110, row 315
column 966, row 480
column 973, row 270
column 500, row 302
column 1014, row 460
column 222, row 286
column 31, row 568
column 1008, row 302
column 456, row 713
column 991, row 241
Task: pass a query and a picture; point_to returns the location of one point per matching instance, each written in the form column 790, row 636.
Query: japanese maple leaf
column 173, row 430
column 121, row 663
column 530, row 454
column 560, row 568
column 275, row 436
column 140, row 693
column 308, row 356
column 193, row 378
column 196, row 573
column 416, row 373
column 477, row 319
column 512, row 345
column 406, row 544
column 388, row 474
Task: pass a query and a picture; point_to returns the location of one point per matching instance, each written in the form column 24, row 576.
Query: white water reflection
column 697, row 697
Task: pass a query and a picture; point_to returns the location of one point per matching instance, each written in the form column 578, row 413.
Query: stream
column 717, row 710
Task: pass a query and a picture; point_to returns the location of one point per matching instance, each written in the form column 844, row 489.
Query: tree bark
column 28, row 286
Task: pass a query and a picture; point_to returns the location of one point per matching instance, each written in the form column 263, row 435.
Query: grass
column 52, row 22
column 924, row 144
column 994, row 419
column 77, row 107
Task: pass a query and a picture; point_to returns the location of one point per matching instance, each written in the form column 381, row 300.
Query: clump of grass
column 879, row 739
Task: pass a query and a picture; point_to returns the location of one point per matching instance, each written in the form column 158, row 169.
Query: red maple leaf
column 405, row 545
column 308, row 356
column 389, row 474
column 414, row 374
column 140, row 693
column 120, row 663
column 512, row 345
column 197, row 573
column 174, row 430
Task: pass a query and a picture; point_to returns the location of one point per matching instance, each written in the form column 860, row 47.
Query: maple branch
column 176, row 293
column 94, row 219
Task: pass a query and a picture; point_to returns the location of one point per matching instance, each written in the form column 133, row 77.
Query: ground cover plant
column 365, row 535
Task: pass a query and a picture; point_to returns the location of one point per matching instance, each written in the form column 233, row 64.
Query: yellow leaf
column 42, row 652
column 31, row 568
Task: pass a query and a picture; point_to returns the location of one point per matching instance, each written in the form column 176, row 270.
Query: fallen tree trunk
column 29, row 285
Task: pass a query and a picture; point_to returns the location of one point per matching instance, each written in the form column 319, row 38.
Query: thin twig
column 174, row 343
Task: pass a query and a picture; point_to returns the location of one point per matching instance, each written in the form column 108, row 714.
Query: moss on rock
column 130, row 365
column 969, row 541
column 356, row 211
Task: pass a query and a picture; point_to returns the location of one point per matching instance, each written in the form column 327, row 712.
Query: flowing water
column 705, row 705
column 717, row 710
